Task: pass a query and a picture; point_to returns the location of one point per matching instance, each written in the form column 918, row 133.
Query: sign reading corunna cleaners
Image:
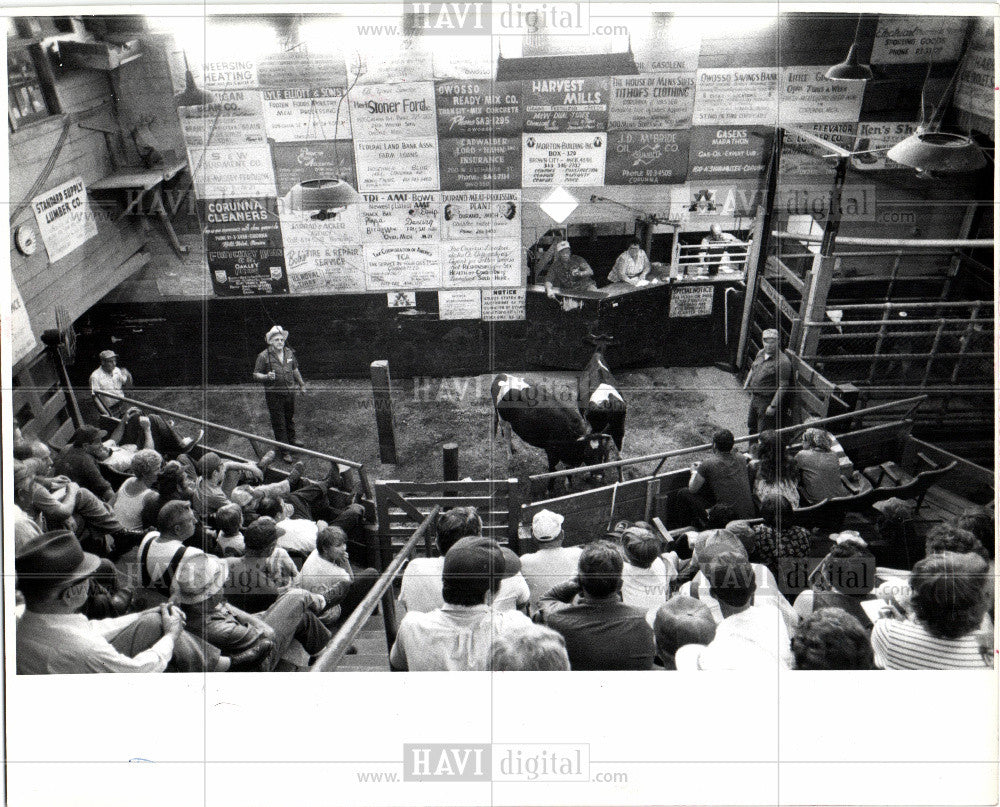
column 64, row 218
column 243, row 246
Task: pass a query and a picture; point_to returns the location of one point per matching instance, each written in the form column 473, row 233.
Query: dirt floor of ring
column 667, row 409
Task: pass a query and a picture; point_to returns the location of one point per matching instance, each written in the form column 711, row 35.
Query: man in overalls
column 278, row 369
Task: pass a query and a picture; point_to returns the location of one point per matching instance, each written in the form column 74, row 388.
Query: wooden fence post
column 382, row 391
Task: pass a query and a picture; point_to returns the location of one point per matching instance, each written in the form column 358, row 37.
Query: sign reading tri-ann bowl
column 64, row 218
column 470, row 108
column 243, row 246
column 566, row 105
column 393, row 217
column 647, row 158
column 571, row 159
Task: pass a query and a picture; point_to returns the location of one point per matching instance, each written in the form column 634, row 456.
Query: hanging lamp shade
column 850, row 69
column 324, row 195
column 938, row 152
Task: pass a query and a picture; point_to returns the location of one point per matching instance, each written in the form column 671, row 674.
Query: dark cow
column 546, row 421
column 599, row 400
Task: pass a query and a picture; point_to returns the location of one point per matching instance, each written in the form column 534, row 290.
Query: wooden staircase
column 373, row 654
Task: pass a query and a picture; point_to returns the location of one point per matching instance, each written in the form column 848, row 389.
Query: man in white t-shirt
column 109, row 377
column 420, row 589
column 460, row 634
column 553, row 563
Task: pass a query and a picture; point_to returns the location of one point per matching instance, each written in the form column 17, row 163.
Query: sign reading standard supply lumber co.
column 472, row 108
column 64, row 218
column 660, row 101
column 566, row 105
column 243, row 246
column 647, row 158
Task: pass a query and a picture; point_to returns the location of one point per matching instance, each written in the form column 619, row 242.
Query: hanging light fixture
column 850, row 69
column 931, row 151
column 192, row 95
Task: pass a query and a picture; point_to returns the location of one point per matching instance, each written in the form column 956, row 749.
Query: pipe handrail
column 903, row 305
column 877, row 323
column 680, row 452
column 337, row 648
column 916, row 243
column 236, row 432
column 896, row 253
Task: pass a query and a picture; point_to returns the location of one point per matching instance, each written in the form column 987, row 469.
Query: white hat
column 546, row 525
column 277, row 330
column 562, row 245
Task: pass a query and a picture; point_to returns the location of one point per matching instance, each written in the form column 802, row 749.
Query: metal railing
column 253, row 438
column 382, row 592
column 663, row 456
column 691, row 260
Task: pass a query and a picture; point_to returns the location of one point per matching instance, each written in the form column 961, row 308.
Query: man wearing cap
column 278, row 370
column 601, row 632
column 53, row 637
column 552, row 563
column 769, row 380
column 79, row 460
column 569, row 273
column 109, row 377
column 460, row 634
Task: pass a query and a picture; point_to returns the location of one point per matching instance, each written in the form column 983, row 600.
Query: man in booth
column 632, row 266
column 569, row 273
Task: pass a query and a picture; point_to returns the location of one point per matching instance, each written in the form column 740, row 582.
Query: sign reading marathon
column 480, row 163
column 728, row 152
column 470, row 108
column 566, row 105
column 647, row 158
column 243, row 246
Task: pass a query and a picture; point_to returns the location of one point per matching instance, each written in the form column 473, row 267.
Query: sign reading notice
column 460, row 304
column 481, row 263
column 503, row 305
column 64, row 218
column 220, row 173
column 234, row 118
column 480, row 163
column 391, row 217
column 548, row 160
column 482, row 214
column 309, row 113
column 413, row 266
column 727, row 96
column 691, row 301
column 243, row 246
column 647, row 158
column 397, row 165
column 900, row 40
column 470, row 108
column 566, row 105
column 660, row 101
column 806, row 95
column 312, row 159
column 722, row 152
column 22, row 338
column 393, row 111
column 874, row 140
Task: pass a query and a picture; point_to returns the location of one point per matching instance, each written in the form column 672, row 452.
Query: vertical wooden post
column 886, row 310
column 514, row 515
column 814, row 303
column 449, row 454
column 382, row 391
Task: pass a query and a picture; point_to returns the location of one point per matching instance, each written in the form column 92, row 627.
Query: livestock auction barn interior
column 650, row 301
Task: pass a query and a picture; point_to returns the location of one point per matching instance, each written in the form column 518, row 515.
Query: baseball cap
column 562, row 245
column 86, row 435
column 473, row 557
column 769, row 333
column 107, row 354
column 546, row 525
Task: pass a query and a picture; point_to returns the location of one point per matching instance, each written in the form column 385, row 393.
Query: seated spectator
column 678, row 622
column 722, row 478
column 552, row 563
column 751, row 636
column 136, row 432
column 57, row 501
column 265, row 571
column 601, row 632
column 109, row 377
column 773, row 472
column 131, row 497
column 460, row 634
column 950, row 597
column 52, row 637
column 844, row 579
column 980, row 522
column 328, row 571
column 645, row 577
column 529, row 647
column 211, row 492
column 254, row 641
column 818, row 468
column 173, row 484
column 831, row 639
column 710, row 545
column 229, row 541
column 79, row 461
column 161, row 552
column 951, row 538
column 26, row 528
column 420, row 589
column 777, row 539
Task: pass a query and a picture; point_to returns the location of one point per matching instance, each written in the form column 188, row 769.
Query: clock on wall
column 25, row 239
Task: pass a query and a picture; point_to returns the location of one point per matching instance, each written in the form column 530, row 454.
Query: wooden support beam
column 384, row 422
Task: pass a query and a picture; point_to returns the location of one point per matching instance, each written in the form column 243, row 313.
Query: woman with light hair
column 529, row 647
column 818, row 468
column 137, row 490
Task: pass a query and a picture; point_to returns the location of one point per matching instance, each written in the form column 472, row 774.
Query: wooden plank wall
column 82, row 278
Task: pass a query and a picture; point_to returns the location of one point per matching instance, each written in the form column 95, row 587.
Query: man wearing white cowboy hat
column 278, row 369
